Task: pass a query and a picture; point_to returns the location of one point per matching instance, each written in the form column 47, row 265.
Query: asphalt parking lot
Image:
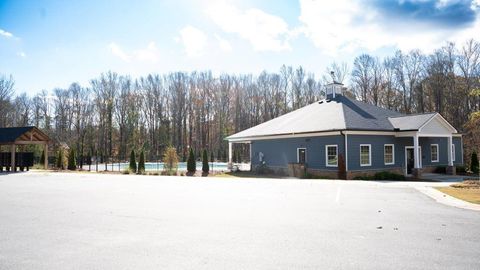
column 92, row 221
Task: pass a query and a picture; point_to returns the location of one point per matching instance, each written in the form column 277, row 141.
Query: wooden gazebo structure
column 14, row 136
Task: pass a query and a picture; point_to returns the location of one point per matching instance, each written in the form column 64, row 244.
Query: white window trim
column 438, row 158
column 326, row 155
column 369, row 155
column 393, row 154
column 298, row 156
column 453, row 152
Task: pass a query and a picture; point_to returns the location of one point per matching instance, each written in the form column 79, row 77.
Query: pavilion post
column 13, row 158
column 230, row 165
column 45, row 150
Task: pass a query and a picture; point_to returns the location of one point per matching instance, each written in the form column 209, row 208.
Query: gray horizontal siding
column 280, row 152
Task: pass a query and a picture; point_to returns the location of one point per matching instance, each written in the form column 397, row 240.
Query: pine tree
column 205, row 166
column 72, row 163
column 133, row 163
column 474, row 166
column 141, row 163
column 191, row 165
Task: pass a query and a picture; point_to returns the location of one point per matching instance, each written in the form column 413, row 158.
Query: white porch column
column 416, row 154
column 12, row 165
column 229, row 153
column 449, row 150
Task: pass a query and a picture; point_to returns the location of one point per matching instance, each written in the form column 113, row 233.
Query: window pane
column 332, row 157
column 388, row 154
column 434, row 150
column 364, row 154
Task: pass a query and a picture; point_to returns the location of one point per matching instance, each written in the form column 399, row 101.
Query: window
column 389, row 154
column 434, row 152
column 301, row 155
column 331, row 155
column 453, row 152
column 365, row 155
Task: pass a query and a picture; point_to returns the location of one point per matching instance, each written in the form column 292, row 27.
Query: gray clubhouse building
column 344, row 138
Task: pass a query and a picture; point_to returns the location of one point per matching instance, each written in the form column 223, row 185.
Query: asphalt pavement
column 94, row 221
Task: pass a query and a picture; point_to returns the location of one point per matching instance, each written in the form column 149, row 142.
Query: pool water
column 154, row 166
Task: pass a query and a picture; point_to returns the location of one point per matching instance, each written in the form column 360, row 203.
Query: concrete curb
column 446, row 199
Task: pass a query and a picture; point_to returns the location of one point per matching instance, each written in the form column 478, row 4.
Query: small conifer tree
column 474, row 166
column 72, row 163
column 205, row 166
column 191, row 164
column 133, row 164
column 141, row 163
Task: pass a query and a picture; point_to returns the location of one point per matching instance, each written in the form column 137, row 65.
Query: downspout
column 346, row 149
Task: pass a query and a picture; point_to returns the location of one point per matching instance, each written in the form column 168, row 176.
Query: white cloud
column 223, row 44
column 342, row 25
column 117, row 51
column 22, row 54
column 149, row 54
column 6, row 34
column 194, row 40
column 264, row 31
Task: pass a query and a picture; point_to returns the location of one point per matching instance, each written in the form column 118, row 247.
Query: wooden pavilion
column 14, row 136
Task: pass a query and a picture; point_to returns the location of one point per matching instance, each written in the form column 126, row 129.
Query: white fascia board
column 444, row 122
column 285, row 136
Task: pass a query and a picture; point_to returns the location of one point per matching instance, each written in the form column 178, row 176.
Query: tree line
column 116, row 113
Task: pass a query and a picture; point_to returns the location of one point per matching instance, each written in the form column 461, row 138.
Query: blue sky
column 48, row 44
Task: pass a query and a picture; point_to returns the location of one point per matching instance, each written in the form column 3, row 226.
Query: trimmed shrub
column 72, row 162
column 141, row 163
column 191, row 166
column 133, row 163
column 205, row 166
column 474, row 166
column 381, row 176
column 170, row 160
column 388, row 176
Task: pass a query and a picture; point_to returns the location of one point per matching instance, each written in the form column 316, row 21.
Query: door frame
column 419, row 156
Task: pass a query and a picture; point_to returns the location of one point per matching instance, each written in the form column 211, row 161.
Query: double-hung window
column 331, row 155
column 365, row 155
column 389, row 154
column 434, row 152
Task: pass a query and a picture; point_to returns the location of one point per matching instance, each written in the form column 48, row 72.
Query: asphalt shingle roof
column 339, row 113
column 412, row 122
